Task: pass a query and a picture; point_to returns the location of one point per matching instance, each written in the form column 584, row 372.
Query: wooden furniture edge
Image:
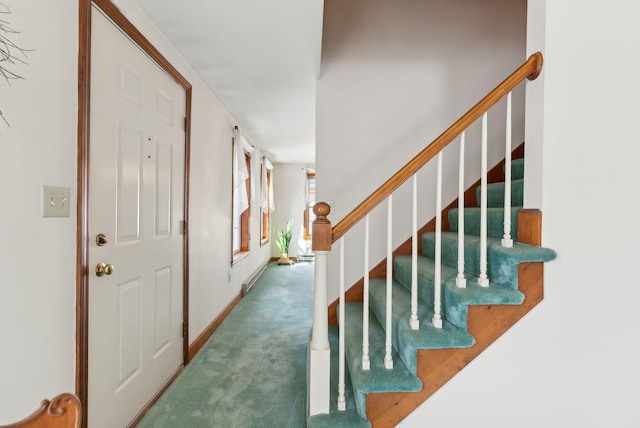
column 62, row 411
column 485, row 322
column 199, row 342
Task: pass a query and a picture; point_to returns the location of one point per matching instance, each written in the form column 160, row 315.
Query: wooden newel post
column 321, row 228
column 319, row 351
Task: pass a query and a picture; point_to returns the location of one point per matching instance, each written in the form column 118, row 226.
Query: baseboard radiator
column 248, row 284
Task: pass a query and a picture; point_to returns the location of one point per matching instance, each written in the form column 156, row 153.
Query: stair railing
column 324, row 235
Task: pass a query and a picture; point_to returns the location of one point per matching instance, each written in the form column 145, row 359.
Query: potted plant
column 283, row 240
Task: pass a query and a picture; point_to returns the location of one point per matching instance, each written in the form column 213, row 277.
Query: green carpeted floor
column 252, row 372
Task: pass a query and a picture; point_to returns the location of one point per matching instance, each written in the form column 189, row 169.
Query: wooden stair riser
column 485, row 322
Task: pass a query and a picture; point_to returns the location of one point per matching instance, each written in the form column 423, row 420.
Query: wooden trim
column 211, row 328
column 155, row 398
column 529, row 70
column 245, row 217
column 307, row 232
column 187, row 195
column 530, row 227
column 82, row 208
column 265, row 218
column 321, row 228
column 237, row 257
column 485, row 322
column 355, row 292
column 139, row 39
column 83, row 159
column 233, row 153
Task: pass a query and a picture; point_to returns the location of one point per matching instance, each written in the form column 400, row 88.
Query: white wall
column 290, row 202
column 37, row 256
column 394, row 76
column 573, row 361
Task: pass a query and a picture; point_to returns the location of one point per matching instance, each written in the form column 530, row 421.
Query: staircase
column 504, row 265
column 471, row 316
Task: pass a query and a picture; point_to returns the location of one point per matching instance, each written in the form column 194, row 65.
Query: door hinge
column 183, row 227
column 184, row 330
column 184, row 125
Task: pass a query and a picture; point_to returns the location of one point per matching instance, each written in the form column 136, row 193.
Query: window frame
column 245, row 216
column 265, row 218
column 308, row 215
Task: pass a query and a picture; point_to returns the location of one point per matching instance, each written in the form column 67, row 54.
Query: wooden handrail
column 529, row 70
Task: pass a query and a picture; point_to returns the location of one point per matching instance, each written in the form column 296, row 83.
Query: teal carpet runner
column 503, row 290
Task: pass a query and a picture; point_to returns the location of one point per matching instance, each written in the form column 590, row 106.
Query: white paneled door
column 136, row 200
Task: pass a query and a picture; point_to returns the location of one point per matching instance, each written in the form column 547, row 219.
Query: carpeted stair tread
column 405, row 340
column 349, row 418
column 517, row 169
column 454, row 299
column 502, row 263
column 495, row 221
column 502, row 270
column 377, row 379
column 458, row 299
column 495, row 194
column 426, row 275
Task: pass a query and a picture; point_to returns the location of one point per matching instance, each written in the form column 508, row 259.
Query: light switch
column 55, row 201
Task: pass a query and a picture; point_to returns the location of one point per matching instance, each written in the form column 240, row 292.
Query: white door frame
column 82, row 229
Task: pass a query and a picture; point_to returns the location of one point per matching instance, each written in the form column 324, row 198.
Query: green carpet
column 502, row 269
column 252, row 372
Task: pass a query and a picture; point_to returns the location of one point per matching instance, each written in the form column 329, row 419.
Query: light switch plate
column 55, row 201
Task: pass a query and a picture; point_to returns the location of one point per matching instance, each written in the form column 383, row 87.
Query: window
column 241, row 201
column 267, row 198
column 309, row 216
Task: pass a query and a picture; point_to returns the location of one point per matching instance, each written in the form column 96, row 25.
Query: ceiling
column 260, row 58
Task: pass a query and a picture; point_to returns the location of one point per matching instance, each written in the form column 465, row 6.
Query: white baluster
column 342, row 405
column 483, row 280
column 437, row 304
column 507, row 241
column 366, row 363
column 388, row 360
column 461, row 281
column 413, row 320
column 320, row 353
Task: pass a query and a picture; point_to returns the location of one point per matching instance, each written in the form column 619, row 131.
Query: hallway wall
column 37, row 255
column 394, row 76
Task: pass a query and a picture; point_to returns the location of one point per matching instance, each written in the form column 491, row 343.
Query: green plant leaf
column 283, row 237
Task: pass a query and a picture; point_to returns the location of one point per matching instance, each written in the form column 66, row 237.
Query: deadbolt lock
column 101, row 240
column 104, row 269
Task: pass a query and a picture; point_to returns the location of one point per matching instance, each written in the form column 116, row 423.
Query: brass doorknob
column 104, row 269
